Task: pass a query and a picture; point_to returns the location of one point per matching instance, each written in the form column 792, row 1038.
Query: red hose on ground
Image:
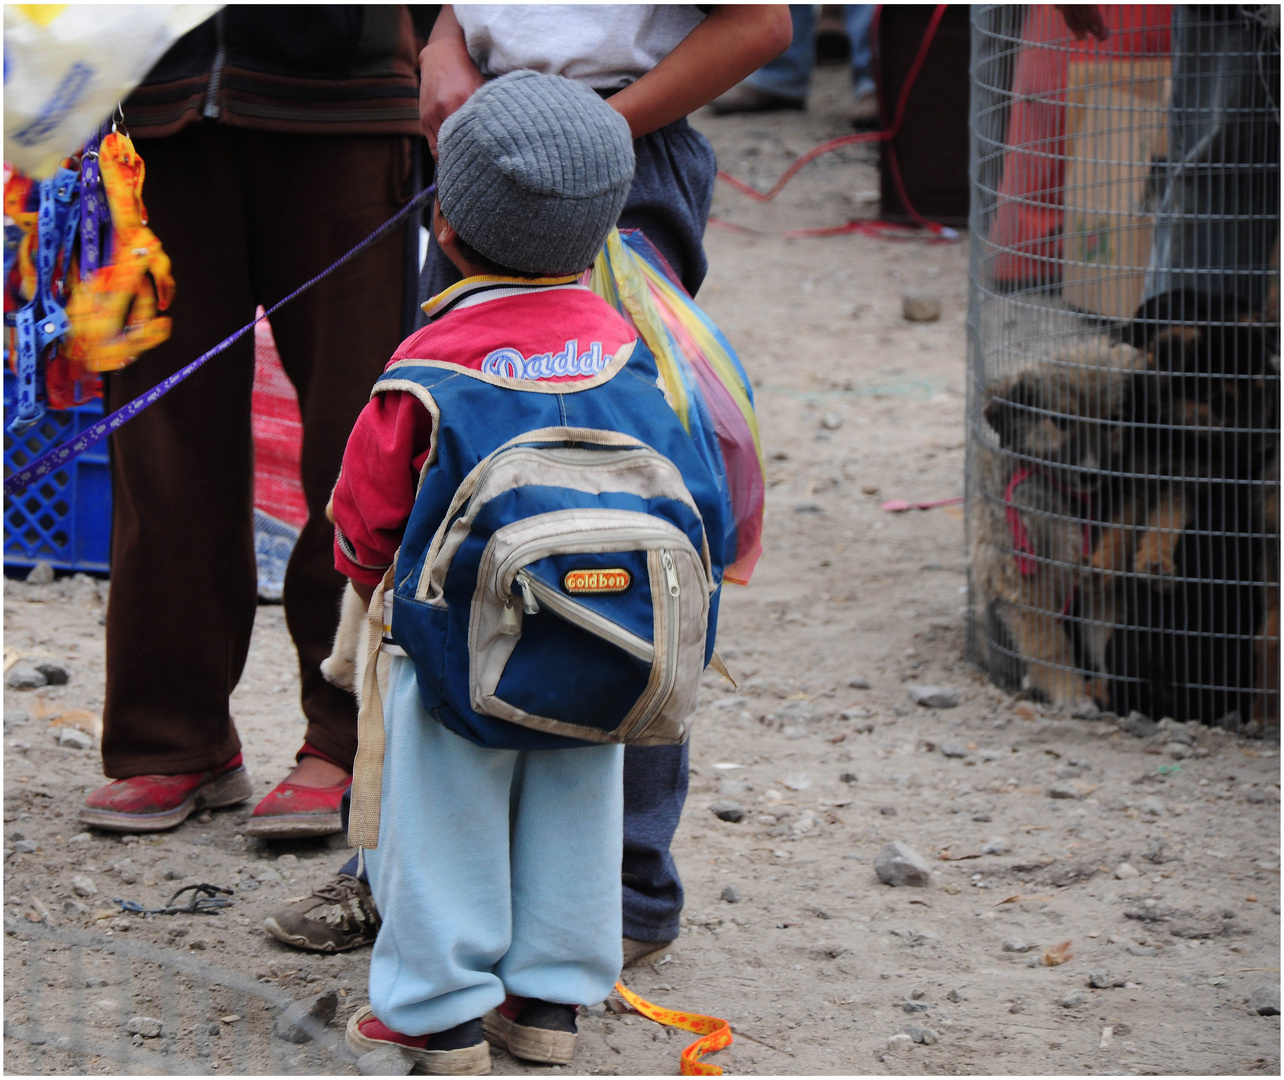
column 870, row 227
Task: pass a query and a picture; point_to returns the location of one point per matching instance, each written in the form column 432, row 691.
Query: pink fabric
column 278, row 435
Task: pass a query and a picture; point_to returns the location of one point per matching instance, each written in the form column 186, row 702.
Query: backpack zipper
column 650, row 703
column 509, row 623
column 216, row 72
column 578, row 615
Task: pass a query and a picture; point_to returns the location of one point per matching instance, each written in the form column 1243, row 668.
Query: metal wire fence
column 1124, row 391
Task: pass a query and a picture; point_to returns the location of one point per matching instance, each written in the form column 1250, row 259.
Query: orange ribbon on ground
column 717, row 1033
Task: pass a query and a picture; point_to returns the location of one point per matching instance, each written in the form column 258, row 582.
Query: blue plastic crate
column 65, row 518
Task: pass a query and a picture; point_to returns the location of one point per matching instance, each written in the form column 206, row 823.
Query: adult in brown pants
column 275, row 140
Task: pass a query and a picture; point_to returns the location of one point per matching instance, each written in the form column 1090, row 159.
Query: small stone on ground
column 898, row 864
column 146, row 1026
column 41, row 574
column 932, row 697
column 921, row 306
column 1265, row 1000
column 728, row 810
column 304, row 1019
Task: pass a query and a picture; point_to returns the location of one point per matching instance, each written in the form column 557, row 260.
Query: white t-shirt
column 606, row 46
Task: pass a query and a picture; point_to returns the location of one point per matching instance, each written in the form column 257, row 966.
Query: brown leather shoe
column 337, row 917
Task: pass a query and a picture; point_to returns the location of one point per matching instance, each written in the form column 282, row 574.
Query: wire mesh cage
column 1124, row 392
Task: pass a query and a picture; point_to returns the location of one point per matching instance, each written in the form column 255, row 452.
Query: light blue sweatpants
column 497, row 871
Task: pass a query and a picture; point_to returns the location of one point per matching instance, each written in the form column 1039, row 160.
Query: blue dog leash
column 99, row 430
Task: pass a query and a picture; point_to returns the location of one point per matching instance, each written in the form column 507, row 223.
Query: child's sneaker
column 458, row 1051
column 533, row 1030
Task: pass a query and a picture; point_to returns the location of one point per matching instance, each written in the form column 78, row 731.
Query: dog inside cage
column 1124, row 413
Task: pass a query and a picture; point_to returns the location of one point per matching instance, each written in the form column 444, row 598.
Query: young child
column 497, row 870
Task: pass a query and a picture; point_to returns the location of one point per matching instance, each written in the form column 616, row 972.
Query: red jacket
column 550, row 329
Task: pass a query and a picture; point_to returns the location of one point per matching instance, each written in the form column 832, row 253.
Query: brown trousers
column 246, row 217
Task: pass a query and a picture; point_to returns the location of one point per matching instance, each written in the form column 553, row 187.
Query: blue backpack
column 559, row 576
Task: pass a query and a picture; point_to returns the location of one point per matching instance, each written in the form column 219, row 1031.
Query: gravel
column 146, row 1026
column 900, row 1044
column 41, row 574
column 898, row 865
column 55, row 674
column 728, row 810
column 921, row 306
column 24, row 676
column 932, row 697
column 75, row 739
column 1265, row 999
column 304, row 1019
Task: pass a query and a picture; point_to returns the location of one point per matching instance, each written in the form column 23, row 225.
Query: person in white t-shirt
column 654, row 64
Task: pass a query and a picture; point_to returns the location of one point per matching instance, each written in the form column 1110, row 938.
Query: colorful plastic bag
column 703, row 381
column 66, row 66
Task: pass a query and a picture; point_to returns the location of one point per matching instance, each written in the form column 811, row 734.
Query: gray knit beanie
column 533, row 171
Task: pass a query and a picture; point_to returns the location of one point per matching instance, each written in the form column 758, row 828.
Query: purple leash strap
column 99, row 430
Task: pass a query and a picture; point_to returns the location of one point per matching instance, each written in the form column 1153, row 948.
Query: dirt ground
column 816, row 965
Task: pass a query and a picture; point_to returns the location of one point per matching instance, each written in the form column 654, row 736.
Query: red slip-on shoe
column 290, row 811
column 141, row 804
column 461, row 1051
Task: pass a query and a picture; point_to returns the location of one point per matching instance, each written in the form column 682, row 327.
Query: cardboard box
column 1116, row 146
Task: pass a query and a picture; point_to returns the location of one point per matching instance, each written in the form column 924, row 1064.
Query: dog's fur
column 1188, row 509
column 346, row 665
column 1063, row 418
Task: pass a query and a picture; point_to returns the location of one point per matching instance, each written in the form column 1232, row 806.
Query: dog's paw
column 1100, row 693
column 340, row 672
column 1154, row 560
column 1084, row 709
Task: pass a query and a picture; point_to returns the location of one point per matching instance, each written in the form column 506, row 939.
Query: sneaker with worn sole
column 640, row 952
column 292, row 812
column 460, row 1051
column 533, row 1030
column 142, row 804
column 338, row 916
